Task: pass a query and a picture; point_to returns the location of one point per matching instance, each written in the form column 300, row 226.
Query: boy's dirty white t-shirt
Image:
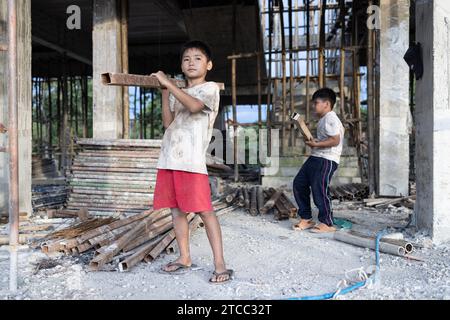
column 329, row 126
column 187, row 138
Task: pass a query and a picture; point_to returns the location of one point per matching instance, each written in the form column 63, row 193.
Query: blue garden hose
column 372, row 278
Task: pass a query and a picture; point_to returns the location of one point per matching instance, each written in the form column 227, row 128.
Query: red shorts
column 187, row 191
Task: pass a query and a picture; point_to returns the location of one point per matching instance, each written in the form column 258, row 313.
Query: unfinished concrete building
column 270, row 55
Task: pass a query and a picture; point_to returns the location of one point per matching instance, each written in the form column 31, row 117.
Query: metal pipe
column 13, row 144
column 370, row 243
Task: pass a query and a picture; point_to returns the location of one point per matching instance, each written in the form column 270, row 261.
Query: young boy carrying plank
column 182, row 179
column 317, row 171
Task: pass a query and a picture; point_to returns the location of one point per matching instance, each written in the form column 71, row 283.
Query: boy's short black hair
column 197, row 44
column 325, row 94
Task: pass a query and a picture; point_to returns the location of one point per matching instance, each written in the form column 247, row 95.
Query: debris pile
column 350, row 192
column 51, row 196
column 262, row 201
column 43, row 168
column 383, row 203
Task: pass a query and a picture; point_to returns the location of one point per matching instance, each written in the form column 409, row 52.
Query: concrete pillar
column 106, row 40
column 24, row 105
column 393, row 116
column 433, row 119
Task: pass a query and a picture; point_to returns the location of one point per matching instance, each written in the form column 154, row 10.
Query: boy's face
column 321, row 106
column 195, row 64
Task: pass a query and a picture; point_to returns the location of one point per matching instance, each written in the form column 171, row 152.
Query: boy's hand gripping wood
column 303, row 128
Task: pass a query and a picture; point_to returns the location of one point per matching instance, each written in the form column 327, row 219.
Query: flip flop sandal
column 307, row 225
column 180, row 268
column 228, row 272
column 321, row 228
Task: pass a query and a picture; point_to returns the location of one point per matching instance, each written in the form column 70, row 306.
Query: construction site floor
column 271, row 261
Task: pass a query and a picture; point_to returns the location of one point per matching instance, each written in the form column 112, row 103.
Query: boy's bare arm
column 328, row 143
column 192, row 104
column 167, row 115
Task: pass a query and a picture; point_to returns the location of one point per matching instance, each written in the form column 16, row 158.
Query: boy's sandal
column 179, row 268
column 228, row 272
column 323, row 228
column 304, row 225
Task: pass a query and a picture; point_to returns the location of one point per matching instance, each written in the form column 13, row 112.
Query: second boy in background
column 316, row 173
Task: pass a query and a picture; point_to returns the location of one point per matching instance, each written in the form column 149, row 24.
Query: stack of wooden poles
column 123, row 242
column 109, row 176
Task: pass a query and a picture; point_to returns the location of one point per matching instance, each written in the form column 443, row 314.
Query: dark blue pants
column 315, row 175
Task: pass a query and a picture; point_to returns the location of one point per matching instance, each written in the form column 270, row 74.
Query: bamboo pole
column 76, row 104
column 71, row 113
column 291, row 78
column 235, row 129
column 342, row 58
column 41, row 122
column 50, row 115
column 308, row 59
column 145, row 118
column 124, row 57
column 322, row 44
column 370, row 110
column 58, row 117
column 152, row 116
column 141, row 118
column 65, row 117
column 84, row 93
column 13, row 146
column 233, row 94
column 269, row 86
column 135, row 110
column 283, row 82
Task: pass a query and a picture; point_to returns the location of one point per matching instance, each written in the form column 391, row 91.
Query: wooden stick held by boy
column 303, row 127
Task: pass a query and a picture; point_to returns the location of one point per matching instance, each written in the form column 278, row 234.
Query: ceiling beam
column 61, row 50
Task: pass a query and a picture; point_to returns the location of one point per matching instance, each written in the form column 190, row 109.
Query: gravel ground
column 270, row 260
